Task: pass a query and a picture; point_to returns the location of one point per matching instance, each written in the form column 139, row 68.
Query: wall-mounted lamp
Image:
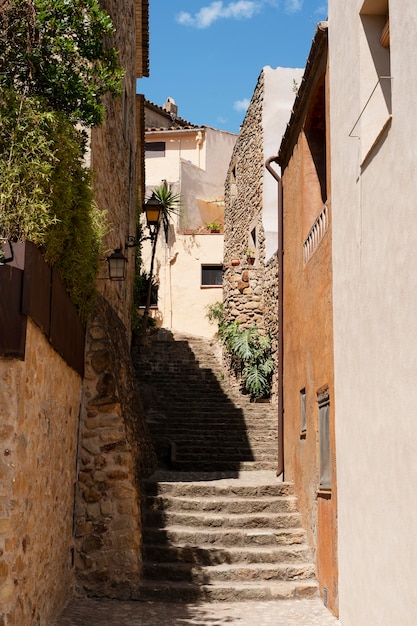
column 117, row 265
column 153, row 208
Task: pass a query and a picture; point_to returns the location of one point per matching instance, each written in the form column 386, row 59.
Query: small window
column 154, row 149
column 325, row 481
column 375, row 77
column 211, row 275
column 303, row 418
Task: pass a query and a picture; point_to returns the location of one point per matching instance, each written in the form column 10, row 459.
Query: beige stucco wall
column 198, row 175
column 182, row 302
column 39, row 407
column 375, row 325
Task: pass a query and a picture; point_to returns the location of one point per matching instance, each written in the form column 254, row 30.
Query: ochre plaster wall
column 39, row 408
column 308, row 364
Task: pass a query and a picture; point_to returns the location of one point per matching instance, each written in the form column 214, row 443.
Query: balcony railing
column 316, row 234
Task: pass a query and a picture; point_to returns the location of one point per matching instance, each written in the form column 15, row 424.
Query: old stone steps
column 217, row 524
column 230, row 572
column 232, row 554
column 223, row 504
column 226, row 537
column 211, row 537
column 178, row 591
column 197, row 421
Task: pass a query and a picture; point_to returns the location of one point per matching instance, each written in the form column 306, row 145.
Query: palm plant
column 169, row 204
column 249, row 350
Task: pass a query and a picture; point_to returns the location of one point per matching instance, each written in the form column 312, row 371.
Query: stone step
column 213, row 466
column 224, row 505
column 201, row 555
column 225, row 592
column 212, row 459
column 182, row 535
column 215, row 485
column 230, row 572
column 212, row 520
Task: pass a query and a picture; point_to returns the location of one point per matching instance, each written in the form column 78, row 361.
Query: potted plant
column 250, row 255
column 214, row 227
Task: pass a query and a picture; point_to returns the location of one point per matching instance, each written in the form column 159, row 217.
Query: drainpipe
column 280, row 468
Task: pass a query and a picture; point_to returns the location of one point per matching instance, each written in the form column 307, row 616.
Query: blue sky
column 207, row 54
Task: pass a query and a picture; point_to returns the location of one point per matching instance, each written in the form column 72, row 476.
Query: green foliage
column 215, row 314
column 214, row 225
column 250, row 352
column 46, row 193
column 57, row 50
column 170, row 203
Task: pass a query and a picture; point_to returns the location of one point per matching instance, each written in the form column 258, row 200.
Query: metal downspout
column 280, row 468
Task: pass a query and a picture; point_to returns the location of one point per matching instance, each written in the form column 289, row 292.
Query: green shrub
column 57, row 50
column 46, row 194
column 249, row 350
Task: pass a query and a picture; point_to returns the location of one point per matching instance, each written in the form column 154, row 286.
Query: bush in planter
column 214, row 227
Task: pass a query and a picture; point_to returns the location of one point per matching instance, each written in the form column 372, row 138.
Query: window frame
column 155, row 153
column 205, row 268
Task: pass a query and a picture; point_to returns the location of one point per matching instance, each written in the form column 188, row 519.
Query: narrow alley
column 223, row 541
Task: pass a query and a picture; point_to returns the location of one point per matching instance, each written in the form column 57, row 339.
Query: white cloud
column 241, row 105
column 292, row 6
column 242, row 9
column 322, row 9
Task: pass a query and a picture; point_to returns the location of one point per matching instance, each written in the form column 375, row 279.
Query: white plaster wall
column 179, row 146
column 182, row 303
column 279, row 95
column 374, row 230
column 208, row 184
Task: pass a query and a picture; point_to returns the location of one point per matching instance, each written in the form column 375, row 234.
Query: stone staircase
column 217, row 523
column 197, row 421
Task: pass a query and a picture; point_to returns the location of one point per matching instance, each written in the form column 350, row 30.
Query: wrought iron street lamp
column 153, row 209
column 117, row 265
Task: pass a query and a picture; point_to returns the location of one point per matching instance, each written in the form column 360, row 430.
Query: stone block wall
column 271, row 316
column 115, row 452
column 250, row 291
column 243, row 283
column 114, row 160
column 39, row 409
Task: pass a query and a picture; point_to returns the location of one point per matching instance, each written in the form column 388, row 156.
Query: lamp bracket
column 131, row 242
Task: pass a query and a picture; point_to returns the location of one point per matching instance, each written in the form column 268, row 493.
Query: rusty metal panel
column 67, row 334
column 12, row 322
column 36, row 300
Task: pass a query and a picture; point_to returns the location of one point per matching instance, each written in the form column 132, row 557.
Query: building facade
column 189, row 261
column 251, row 215
column 374, row 236
column 72, row 444
column 308, row 390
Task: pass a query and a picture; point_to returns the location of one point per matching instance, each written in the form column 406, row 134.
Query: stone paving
column 97, row 612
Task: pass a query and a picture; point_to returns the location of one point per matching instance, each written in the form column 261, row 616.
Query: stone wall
column 115, row 452
column 271, row 316
column 250, row 291
column 114, row 160
column 39, row 408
